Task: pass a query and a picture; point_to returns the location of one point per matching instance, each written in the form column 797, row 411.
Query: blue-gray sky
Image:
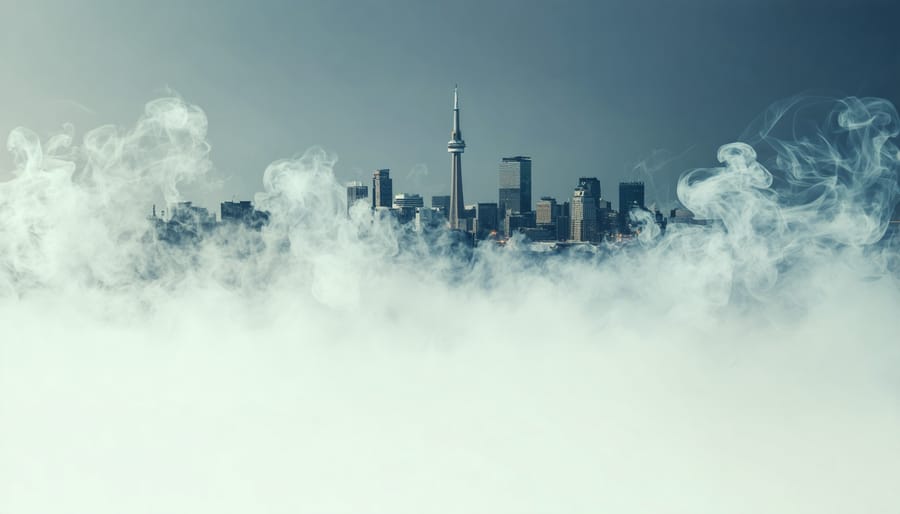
column 585, row 88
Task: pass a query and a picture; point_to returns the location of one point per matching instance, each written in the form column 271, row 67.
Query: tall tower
column 456, row 147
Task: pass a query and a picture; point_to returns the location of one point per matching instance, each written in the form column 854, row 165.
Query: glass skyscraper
column 515, row 185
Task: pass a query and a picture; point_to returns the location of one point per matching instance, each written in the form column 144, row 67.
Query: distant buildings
column 188, row 223
column 585, row 218
column 442, row 204
column 406, row 204
column 356, row 191
column 244, row 213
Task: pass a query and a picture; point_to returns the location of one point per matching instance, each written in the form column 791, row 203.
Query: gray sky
column 585, row 88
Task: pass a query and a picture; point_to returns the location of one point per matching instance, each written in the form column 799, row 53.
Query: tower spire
column 456, row 147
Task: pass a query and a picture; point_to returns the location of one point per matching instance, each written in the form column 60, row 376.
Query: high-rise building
column 631, row 196
column 515, row 185
column 456, row 147
column 584, row 216
column 563, row 222
column 585, row 220
column 486, row 219
column 441, row 203
column 382, row 189
column 356, row 191
column 591, row 186
column 546, row 211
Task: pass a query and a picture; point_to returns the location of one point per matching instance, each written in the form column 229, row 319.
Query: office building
column 405, row 204
column 356, row 191
column 243, row 212
column 515, row 185
column 586, row 213
column 584, row 216
column 382, row 189
column 631, row 196
column 515, row 221
column 486, row 220
column 546, row 211
column 442, row 204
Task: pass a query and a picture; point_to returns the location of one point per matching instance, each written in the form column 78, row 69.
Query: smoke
column 335, row 363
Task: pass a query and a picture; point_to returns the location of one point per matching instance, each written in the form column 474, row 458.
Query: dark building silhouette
column 243, row 212
column 442, row 204
column 356, row 191
column 563, row 221
column 631, row 196
column 487, row 219
column 382, row 189
column 515, row 184
column 591, row 185
column 516, row 221
column 187, row 223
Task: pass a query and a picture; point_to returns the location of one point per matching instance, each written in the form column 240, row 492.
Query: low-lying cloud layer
column 335, row 363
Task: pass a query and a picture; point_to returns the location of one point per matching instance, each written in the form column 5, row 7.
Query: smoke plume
column 342, row 363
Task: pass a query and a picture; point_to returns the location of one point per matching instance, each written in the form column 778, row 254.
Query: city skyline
column 222, row 290
column 608, row 89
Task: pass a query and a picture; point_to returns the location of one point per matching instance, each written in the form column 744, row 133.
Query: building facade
column 442, row 204
column 382, row 189
column 586, row 211
column 356, row 191
column 631, row 196
column 515, row 185
column 487, row 220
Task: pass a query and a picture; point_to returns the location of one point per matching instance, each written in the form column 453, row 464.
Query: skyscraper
column 591, row 186
column 546, row 211
column 456, row 147
column 382, row 189
column 586, row 224
column 584, row 215
column 356, row 191
column 515, row 184
column 631, row 196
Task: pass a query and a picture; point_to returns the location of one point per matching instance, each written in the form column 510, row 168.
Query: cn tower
column 456, row 147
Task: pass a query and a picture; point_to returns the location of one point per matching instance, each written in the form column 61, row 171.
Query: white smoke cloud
column 335, row 363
